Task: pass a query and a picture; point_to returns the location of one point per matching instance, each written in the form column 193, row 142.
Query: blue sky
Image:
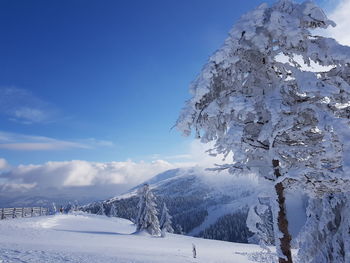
column 103, row 80
column 89, row 90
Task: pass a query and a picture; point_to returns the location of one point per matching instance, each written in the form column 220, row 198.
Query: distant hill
column 202, row 204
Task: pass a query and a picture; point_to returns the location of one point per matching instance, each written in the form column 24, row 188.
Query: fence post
column 2, row 213
column 31, row 212
column 14, row 213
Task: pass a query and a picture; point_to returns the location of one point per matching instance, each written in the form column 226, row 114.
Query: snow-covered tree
column 113, row 211
column 257, row 98
column 76, row 205
column 259, row 222
column 179, row 229
column 147, row 215
column 101, row 209
column 326, row 235
column 53, row 208
column 165, row 220
column 147, row 212
column 68, row 208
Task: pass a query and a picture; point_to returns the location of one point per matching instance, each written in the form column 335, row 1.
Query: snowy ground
column 91, row 238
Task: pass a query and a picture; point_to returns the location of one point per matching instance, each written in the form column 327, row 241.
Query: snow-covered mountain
column 202, row 203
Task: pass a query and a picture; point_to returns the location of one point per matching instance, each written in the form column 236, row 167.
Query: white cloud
column 340, row 15
column 30, row 114
column 174, row 157
column 92, row 179
column 198, row 155
column 22, row 106
column 83, row 173
column 3, row 164
column 18, row 188
column 78, row 173
column 85, row 180
column 21, row 142
column 74, row 180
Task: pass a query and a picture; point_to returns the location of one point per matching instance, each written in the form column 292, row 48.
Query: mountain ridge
column 197, row 200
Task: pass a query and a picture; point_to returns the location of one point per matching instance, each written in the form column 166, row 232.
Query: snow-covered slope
column 90, row 238
column 197, row 200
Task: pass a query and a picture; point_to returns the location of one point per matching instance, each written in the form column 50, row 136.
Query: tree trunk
column 282, row 220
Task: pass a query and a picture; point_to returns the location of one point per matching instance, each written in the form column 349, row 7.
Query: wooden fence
column 16, row 212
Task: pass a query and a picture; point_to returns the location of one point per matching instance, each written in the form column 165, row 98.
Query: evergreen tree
column 147, row 215
column 280, row 120
column 113, row 211
column 326, row 236
column 165, row 220
column 259, row 221
column 76, row 205
column 179, row 229
column 68, row 208
column 53, row 209
column 101, row 210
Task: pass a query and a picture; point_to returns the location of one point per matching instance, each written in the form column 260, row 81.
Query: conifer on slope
column 147, row 215
column 165, row 220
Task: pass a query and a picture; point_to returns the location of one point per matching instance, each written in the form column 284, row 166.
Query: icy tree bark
column 282, row 220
